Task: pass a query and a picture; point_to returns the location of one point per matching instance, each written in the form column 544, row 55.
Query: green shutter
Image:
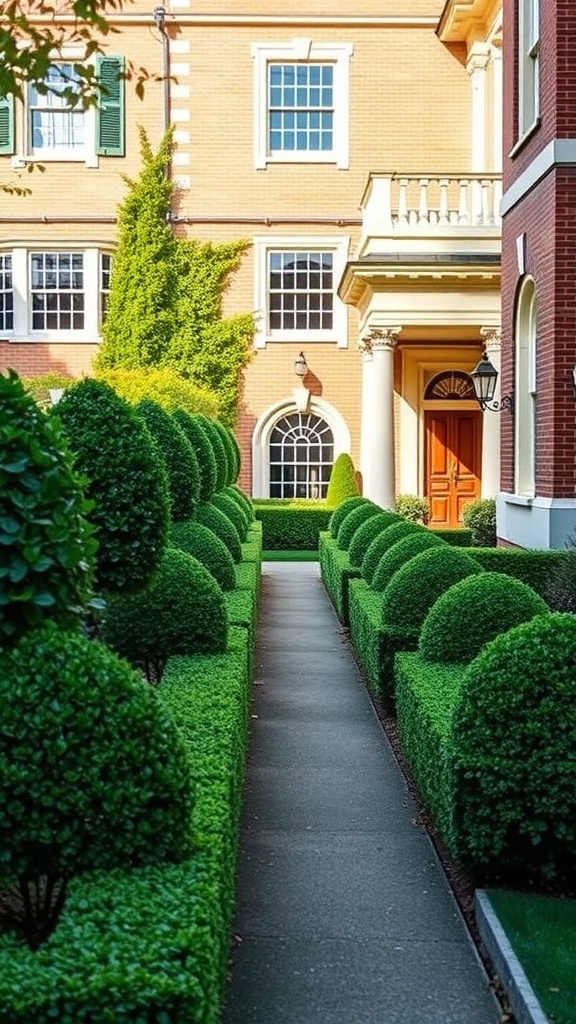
column 6, row 125
column 110, row 116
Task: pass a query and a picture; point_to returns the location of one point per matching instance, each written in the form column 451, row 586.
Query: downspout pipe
column 159, row 16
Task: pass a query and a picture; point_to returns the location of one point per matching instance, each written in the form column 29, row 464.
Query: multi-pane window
column 301, row 457
column 105, row 275
column 300, row 108
column 6, row 293
column 56, row 124
column 57, row 291
column 528, row 59
column 301, row 291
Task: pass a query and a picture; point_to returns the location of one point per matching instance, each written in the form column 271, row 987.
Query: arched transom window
column 450, row 384
column 301, row 456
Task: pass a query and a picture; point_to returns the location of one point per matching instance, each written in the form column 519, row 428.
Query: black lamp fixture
column 301, row 366
column 484, row 377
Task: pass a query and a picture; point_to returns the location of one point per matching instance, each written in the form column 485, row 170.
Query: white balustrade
column 421, row 202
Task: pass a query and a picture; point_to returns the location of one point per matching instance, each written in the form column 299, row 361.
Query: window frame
column 528, row 105
column 303, row 51
column 290, row 439
column 6, row 278
column 525, row 342
column 22, row 292
column 338, row 246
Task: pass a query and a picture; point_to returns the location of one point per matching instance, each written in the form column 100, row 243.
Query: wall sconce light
column 484, row 377
column 300, row 366
column 55, row 395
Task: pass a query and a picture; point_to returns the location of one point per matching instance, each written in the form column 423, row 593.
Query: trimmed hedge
column 242, row 500
column 474, row 611
column 339, row 514
column 513, row 733
column 291, row 526
column 152, row 944
column 220, row 453
column 376, row 644
column 179, row 458
column 399, row 553
column 418, row 584
column 353, row 520
column 458, row 538
column 182, row 611
column 192, row 427
column 336, row 573
column 232, row 463
column 128, row 482
column 389, row 536
column 219, row 523
column 235, row 514
column 366, row 533
column 201, row 542
column 93, row 773
column 532, row 567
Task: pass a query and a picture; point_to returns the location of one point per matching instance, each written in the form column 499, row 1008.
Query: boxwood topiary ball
column 192, row 427
column 242, row 499
column 402, row 551
column 339, row 514
column 220, row 524
column 182, row 611
column 474, row 611
column 417, row 584
column 399, row 529
column 235, row 514
column 203, row 543
column 513, row 732
column 93, row 772
column 353, row 520
column 365, row 535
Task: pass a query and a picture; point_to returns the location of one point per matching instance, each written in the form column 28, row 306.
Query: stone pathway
column 343, row 912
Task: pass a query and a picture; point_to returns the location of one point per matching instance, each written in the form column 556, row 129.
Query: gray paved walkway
column 344, row 914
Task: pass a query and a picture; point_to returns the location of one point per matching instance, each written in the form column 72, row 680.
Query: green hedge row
column 376, row 643
column 531, row 567
column 290, row 526
column 336, row 573
column 150, row 945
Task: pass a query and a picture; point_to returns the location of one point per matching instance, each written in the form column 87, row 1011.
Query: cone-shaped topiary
column 203, row 543
column 365, row 535
column 194, row 431
column 417, row 584
column 402, row 551
column 399, row 529
column 179, row 458
column 182, row 611
column 474, row 611
column 127, row 482
column 47, row 547
column 230, row 450
column 353, row 520
column 343, row 483
column 215, row 520
column 220, row 453
column 339, row 514
column 242, row 499
column 512, row 738
column 235, row 514
column 93, row 772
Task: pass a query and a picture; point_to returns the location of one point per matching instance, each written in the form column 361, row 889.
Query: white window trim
column 528, row 67
column 26, row 154
column 525, row 403
column 339, row 54
column 91, row 332
column 336, row 244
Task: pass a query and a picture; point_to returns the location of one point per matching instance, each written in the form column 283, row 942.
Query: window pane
column 302, row 283
column 56, row 285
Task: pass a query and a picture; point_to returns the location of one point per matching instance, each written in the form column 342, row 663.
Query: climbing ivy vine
column 165, row 304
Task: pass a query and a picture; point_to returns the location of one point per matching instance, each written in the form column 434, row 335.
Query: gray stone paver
column 343, row 912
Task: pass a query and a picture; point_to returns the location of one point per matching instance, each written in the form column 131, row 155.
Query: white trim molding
column 266, row 424
column 302, row 50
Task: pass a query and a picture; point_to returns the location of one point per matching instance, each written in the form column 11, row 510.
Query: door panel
column 453, row 452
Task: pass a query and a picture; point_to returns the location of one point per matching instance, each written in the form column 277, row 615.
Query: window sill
column 57, row 338
column 519, row 499
column 519, row 145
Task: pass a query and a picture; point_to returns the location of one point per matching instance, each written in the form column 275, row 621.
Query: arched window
column 450, row 384
column 301, row 453
column 525, row 404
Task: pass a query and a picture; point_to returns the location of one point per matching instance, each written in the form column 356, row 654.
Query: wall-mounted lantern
column 484, row 377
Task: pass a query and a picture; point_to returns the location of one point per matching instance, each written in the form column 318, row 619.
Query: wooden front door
column 453, row 453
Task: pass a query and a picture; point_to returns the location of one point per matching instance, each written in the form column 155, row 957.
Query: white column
column 497, row 106
column 491, row 421
column 381, row 437
column 476, row 67
column 365, row 346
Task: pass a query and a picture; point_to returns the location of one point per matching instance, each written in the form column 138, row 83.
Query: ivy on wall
column 165, row 304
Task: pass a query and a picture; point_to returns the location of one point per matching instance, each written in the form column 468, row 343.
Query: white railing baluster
column 463, row 210
column 402, row 200
column 423, row 212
